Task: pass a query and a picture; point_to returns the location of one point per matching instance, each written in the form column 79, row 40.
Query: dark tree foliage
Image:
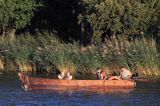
column 16, row 14
column 125, row 18
column 59, row 15
column 83, row 20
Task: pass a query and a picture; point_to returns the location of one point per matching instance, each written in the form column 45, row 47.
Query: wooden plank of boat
column 31, row 83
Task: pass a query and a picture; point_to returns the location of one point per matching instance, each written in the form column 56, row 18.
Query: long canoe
column 32, row 83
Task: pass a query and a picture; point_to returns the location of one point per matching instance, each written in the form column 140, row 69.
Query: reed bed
column 46, row 53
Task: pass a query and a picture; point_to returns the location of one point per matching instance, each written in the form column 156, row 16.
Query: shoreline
column 82, row 76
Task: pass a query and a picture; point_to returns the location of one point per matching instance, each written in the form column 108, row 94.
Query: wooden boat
column 31, row 83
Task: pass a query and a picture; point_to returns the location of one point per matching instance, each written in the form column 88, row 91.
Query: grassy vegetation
column 46, row 53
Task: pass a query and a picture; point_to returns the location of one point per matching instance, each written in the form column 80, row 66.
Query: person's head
column 68, row 74
column 99, row 69
column 62, row 73
column 19, row 74
column 122, row 68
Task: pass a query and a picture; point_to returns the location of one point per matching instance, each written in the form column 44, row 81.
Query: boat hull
column 31, row 83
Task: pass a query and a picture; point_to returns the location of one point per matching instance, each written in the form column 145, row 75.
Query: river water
column 145, row 94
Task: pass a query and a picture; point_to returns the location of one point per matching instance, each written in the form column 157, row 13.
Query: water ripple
column 11, row 94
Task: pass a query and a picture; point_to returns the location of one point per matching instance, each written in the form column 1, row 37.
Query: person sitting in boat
column 65, row 76
column 124, row 74
column 62, row 75
column 101, row 75
column 68, row 76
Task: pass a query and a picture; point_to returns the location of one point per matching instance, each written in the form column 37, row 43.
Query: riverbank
column 44, row 53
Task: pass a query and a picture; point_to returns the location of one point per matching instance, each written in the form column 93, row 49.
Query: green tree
column 121, row 17
column 16, row 14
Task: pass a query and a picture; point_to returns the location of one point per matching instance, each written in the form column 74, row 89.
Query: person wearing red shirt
column 101, row 75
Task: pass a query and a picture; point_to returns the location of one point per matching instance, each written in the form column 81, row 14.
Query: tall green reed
column 46, row 52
